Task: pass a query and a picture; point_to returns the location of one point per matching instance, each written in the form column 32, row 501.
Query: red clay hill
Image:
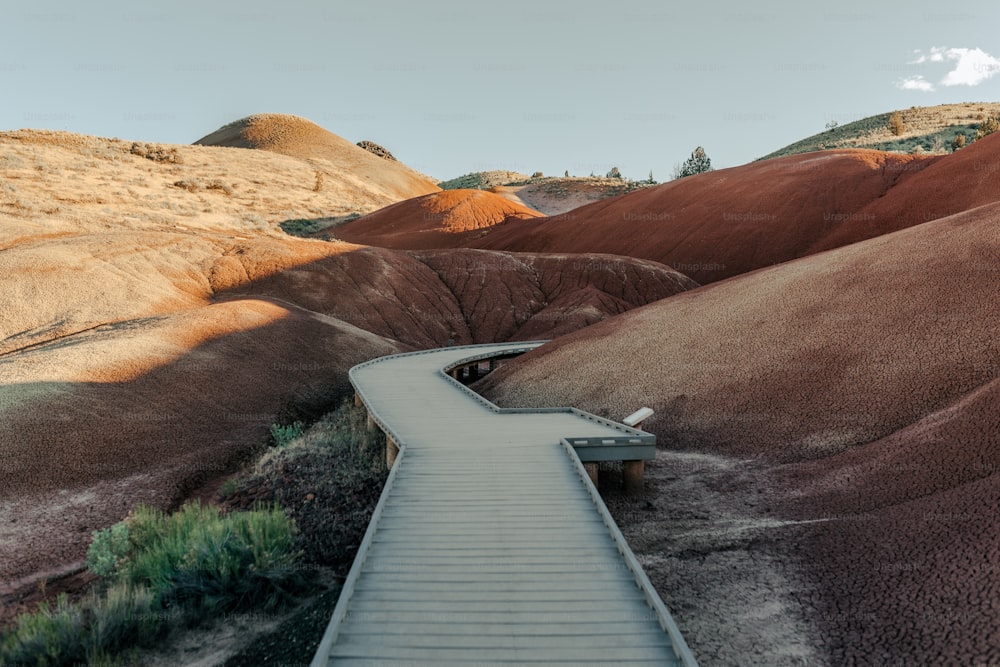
column 951, row 184
column 156, row 322
column 445, row 219
column 728, row 222
column 850, row 399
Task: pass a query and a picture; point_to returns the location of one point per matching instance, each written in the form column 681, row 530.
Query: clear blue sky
column 453, row 87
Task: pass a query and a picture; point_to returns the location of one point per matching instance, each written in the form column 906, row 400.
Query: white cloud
column 917, row 82
column 936, row 55
column 971, row 68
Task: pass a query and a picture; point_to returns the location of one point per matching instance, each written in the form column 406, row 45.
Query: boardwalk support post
column 593, row 471
column 357, row 400
column 370, row 422
column 632, row 472
column 391, row 451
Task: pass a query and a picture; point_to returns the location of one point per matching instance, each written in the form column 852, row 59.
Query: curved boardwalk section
column 490, row 545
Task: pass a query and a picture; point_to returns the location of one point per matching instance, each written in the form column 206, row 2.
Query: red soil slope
column 445, row 219
column 301, row 138
column 963, row 180
column 802, row 360
column 174, row 358
column 152, row 332
column 863, row 383
column 724, row 223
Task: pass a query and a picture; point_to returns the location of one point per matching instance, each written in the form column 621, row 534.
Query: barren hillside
column 156, row 321
column 332, row 156
column 835, row 418
column 728, row 222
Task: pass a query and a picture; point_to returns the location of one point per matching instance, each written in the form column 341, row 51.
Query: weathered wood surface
column 489, row 545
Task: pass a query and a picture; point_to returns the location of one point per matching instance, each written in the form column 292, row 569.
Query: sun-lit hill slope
column 331, row 155
column 931, row 128
column 439, row 220
column 156, row 322
column 723, row 223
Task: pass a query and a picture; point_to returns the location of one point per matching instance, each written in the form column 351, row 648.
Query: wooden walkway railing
column 489, row 544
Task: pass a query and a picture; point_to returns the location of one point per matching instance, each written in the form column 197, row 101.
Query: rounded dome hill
column 301, row 138
column 443, row 219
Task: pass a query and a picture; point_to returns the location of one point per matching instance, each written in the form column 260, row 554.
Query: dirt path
column 725, row 569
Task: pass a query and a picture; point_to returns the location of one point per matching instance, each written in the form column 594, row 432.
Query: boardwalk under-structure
column 489, row 544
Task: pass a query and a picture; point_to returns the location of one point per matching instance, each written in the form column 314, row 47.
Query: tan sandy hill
column 156, row 322
column 723, row 223
column 331, row 155
column 932, row 129
column 551, row 195
column 854, row 390
column 443, row 219
column 556, row 196
column 484, row 180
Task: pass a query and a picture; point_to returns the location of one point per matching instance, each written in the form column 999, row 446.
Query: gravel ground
column 727, row 572
column 294, row 642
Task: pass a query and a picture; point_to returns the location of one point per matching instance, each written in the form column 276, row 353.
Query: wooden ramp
column 490, row 545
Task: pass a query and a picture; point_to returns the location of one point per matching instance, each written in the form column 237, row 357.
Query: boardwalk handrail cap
column 638, row 416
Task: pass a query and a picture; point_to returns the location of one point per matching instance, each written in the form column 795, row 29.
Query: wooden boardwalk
column 489, row 545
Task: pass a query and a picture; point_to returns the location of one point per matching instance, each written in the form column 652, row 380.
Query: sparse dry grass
column 875, row 132
column 36, row 163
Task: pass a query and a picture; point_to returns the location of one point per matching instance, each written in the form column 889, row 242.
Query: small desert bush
column 305, row 226
column 202, row 562
column 254, row 221
column 92, row 632
column 896, row 124
column 124, row 617
column 987, row 127
column 196, row 184
column 10, row 161
column 329, row 480
column 282, row 435
column 159, row 570
column 156, row 153
column 108, row 550
column 47, row 637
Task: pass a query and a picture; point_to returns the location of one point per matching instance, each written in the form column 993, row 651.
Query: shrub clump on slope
column 304, row 507
column 328, row 480
column 158, row 570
